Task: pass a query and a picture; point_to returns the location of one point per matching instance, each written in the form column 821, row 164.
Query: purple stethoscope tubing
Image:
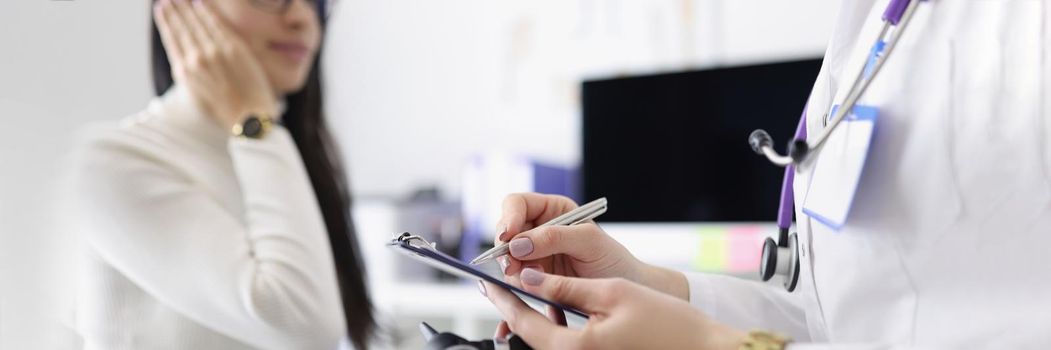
column 897, row 15
column 785, row 210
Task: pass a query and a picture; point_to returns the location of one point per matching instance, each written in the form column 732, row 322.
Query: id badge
column 838, row 167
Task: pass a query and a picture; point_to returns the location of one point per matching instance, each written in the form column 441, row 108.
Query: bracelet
column 763, row 340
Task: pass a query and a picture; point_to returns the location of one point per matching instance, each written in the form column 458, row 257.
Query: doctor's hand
column 583, row 250
column 623, row 315
column 213, row 62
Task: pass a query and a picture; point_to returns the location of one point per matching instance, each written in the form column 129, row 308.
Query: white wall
column 414, row 88
column 62, row 63
column 461, row 76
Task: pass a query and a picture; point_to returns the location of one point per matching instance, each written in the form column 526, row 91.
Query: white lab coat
column 949, row 238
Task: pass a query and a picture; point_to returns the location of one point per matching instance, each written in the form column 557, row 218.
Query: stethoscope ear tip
column 759, row 139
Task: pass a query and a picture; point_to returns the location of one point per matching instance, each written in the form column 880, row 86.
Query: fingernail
column 532, row 277
column 503, row 263
column 502, row 229
column 521, row 247
column 481, row 288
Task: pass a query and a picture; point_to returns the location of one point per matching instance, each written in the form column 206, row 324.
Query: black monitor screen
column 674, row 147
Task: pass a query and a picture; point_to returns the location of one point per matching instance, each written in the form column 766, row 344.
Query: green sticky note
column 713, row 253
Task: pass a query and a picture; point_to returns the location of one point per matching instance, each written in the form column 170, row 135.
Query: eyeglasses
column 277, row 7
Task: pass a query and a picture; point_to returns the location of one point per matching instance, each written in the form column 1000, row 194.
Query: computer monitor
column 674, row 147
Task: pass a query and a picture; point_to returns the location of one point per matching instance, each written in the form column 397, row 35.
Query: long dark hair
column 303, row 119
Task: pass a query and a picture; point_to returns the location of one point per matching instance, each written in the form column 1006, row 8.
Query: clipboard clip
column 415, row 241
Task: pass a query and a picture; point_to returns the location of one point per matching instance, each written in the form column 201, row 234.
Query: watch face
column 252, row 127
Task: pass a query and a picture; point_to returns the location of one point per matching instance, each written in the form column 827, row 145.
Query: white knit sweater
column 196, row 240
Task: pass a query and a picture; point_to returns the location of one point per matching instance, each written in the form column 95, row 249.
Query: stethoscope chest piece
column 781, row 260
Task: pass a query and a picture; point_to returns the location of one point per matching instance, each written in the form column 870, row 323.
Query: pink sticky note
column 745, row 246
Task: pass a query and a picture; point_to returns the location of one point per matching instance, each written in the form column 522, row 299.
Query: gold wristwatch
column 762, row 340
column 256, row 126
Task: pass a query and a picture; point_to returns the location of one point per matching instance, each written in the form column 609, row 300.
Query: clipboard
column 420, row 250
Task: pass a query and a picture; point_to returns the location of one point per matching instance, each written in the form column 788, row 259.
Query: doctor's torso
column 948, row 231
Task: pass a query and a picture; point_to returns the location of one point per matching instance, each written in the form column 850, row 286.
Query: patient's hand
column 213, row 62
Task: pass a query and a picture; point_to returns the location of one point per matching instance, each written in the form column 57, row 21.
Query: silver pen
column 576, row 216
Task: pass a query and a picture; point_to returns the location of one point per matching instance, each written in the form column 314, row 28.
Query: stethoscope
column 781, row 257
